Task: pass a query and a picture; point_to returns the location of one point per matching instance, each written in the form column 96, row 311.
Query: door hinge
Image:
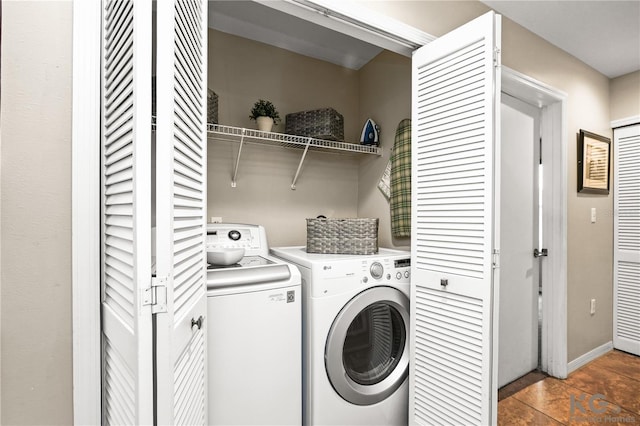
column 496, row 57
column 496, row 259
column 156, row 295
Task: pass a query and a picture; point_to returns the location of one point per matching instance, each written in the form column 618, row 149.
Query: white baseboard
column 589, row 356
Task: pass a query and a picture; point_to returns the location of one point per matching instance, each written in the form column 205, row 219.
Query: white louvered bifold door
column 181, row 175
column 127, row 355
column 626, row 275
column 455, row 96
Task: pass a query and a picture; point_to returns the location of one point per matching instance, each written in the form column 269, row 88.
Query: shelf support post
column 304, row 154
column 235, row 169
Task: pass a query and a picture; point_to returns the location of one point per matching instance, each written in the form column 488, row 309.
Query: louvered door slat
column 120, row 45
column 187, row 61
column 189, row 170
column 186, row 108
column 185, row 257
column 125, row 158
column 118, row 35
column 461, row 365
column 117, row 58
column 186, row 161
column 181, row 209
column 190, row 401
column 626, row 148
column 113, row 15
column 120, row 94
column 455, row 84
column 189, row 39
column 186, row 146
column 189, row 14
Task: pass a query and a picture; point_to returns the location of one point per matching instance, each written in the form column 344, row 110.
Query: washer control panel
column 387, row 270
column 252, row 238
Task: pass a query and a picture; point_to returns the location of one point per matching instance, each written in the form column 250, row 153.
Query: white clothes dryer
column 355, row 322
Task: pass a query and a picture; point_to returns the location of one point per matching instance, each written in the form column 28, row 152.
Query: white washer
column 355, row 322
column 254, row 333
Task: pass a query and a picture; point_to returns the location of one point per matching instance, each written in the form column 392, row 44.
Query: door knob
column 540, row 253
column 197, row 322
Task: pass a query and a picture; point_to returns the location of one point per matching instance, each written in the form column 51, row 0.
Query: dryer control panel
column 335, row 277
column 387, row 270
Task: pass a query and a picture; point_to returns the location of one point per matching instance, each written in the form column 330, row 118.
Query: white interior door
column 626, row 273
column 181, row 176
column 455, row 163
column 519, row 270
column 127, row 357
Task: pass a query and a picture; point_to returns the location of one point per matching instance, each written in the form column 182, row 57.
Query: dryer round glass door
column 367, row 349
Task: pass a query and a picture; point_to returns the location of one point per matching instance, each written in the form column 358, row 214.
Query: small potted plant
column 265, row 114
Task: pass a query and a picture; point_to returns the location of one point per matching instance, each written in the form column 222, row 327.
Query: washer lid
column 367, row 349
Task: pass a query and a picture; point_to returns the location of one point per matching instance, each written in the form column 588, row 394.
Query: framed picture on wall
column 594, row 158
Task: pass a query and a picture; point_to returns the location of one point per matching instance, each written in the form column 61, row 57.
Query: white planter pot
column 265, row 124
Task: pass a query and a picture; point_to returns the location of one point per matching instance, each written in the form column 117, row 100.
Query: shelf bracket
column 304, row 154
column 235, row 169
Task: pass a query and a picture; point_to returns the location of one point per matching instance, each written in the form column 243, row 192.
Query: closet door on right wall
column 626, row 275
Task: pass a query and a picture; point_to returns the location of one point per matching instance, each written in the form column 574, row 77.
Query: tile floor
column 605, row 391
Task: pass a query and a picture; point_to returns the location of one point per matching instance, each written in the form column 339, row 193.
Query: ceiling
column 603, row 34
column 265, row 24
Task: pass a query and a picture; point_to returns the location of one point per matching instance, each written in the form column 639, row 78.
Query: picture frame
column 594, row 160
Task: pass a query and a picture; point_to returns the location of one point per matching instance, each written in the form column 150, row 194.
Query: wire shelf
column 242, row 136
column 237, row 134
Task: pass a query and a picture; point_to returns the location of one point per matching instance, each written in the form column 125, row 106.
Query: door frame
column 85, row 216
column 86, row 194
column 554, row 268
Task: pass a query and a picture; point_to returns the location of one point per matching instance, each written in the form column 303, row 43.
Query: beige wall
column 385, row 97
column 625, row 96
column 333, row 185
column 590, row 255
column 36, row 213
column 240, row 72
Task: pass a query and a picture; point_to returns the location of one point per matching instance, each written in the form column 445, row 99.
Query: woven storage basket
column 325, row 123
column 342, row 236
column 212, row 107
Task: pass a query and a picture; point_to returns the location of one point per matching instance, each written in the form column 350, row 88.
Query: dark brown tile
column 569, row 405
column 512, row 412
column 549, row 396
column 605, row 391
column 617, row 388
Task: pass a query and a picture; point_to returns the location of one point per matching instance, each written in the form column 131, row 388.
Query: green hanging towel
column 400, row 201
